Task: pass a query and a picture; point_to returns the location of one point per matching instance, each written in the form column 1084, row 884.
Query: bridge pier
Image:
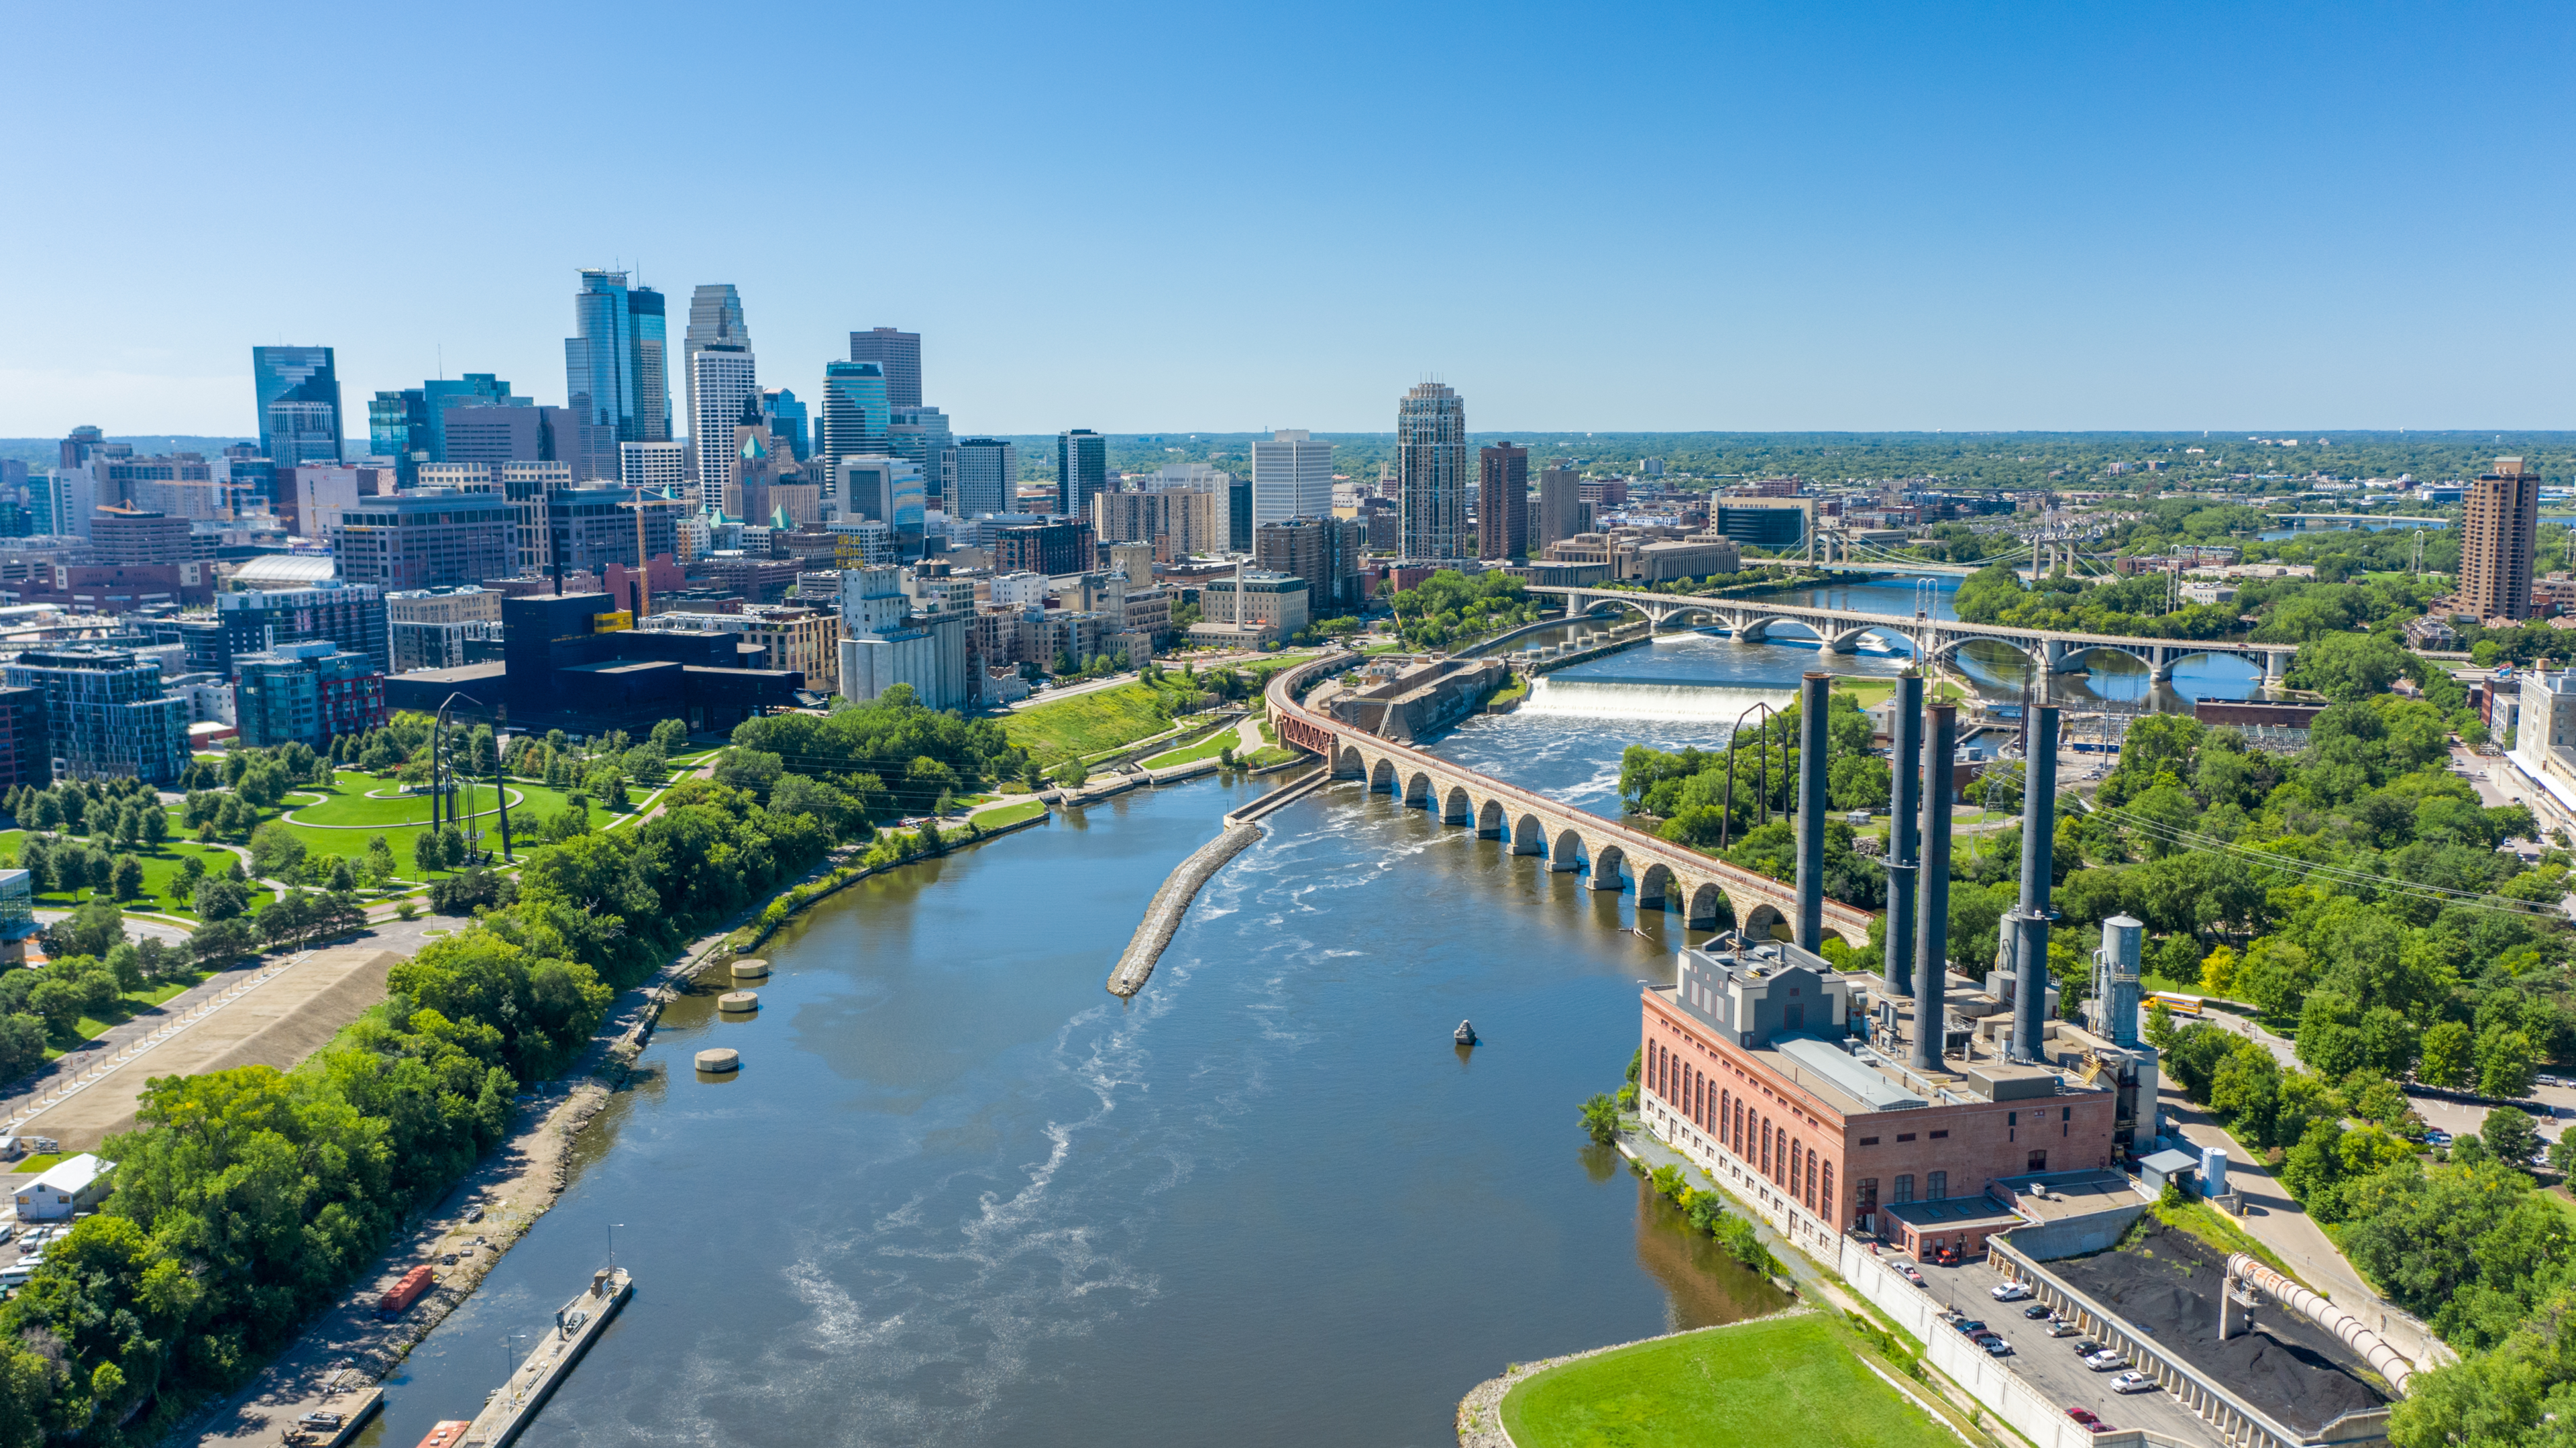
column 1603, row 880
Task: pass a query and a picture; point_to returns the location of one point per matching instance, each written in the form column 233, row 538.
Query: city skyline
column 1740, row 219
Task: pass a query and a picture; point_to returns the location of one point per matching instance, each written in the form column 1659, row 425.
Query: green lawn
column 160, row 870
column 1087, row 723
column 33, row 1164
column 1265, row 757
column 127, row 1007
column 1208, row 748
column 1786, row 1380
column 1011, row 814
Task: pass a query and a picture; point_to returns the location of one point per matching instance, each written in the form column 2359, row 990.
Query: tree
column 22, row 1044
column 343, row 878
column 60, row 1000
column 1601, row 1119
column 276, row 850
column 127, row 877
column 379, row 866
column 2447, row 1058
column 216, row 944
column 94, row 928
column 156, row 827
column 429, row 853
column 671, row 735
column 2348, row 666
column 217, row 898
column 2506, row 1062
column 2509, row 1134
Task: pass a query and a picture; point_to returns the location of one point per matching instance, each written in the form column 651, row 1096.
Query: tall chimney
column 1814, row 692
column 2038, row 847
column 1932, row 920
column 1904, row 762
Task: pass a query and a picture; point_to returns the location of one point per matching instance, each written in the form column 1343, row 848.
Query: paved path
column 2273, row 1218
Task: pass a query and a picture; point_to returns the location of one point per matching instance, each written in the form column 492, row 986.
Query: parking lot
column 2049, row 1364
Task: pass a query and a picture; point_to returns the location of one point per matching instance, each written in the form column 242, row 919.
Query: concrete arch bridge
column 1841, row 630
column 1610, row 856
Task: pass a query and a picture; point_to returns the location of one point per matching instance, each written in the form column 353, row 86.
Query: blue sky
column 1143, row 217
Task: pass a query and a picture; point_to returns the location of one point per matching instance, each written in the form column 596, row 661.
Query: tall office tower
column 87, row 442
column 1081, row 469
column 2496, row 538
column 724, row 387
column 786, row 418
column 984, row 472
column 1292, row 477
column 1502, row 503
column 854, row 415
column 299, row 403
column 614, row 370
column 398, row 428
column 439, row 399
column 715, row 319
column 899, row 353
column 1560, row 505
column 1431, row 481
column 921, row 434
column 656, row 467
column 1238, row 515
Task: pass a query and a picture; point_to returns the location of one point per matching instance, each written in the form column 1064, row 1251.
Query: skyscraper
column 1560, row 505
column 854, row 415
column 984, row 472
column 615, row 372
column 474, row 389
column 725, row 389
column 899, row 353
column 715, row 318
column 921, row 434
column 1081, row 470
column 1292, row 477
column 299, row 403
column 2497, row 534
column 786, row 418
column 1431, row 473
column 1502, row 503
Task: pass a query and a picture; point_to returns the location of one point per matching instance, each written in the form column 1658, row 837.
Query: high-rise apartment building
column 1560, row 506
column 2497, row 535
column 1323, row 551
column 87, row 444
column 106, row 716
column 854, row 413
column 657, row 467
column 433, row 540
column 899, row 353
column 1238, row 516
column 1081, row 470
column 1292, row 477
column 982, row 472
column 298, row 390
column 1432, row 481
column 615, row 370
column 1502, row 502
column 1176, row 521
column 715, row 319
column 306, row 693
column 724, row 388
column 351, row 615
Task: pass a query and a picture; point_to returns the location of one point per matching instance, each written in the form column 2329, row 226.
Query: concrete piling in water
column 719, row 1060
column 738, row 1002
column 750, row 970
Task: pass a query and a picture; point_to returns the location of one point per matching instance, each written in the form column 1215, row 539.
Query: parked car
column 2060, row 1329
column 2436, row 1136
column 1997, row 1347
column 2008, row 1292
column 2086, row 1347
column 2133, row 1382
column 1969, row 1328
column 2034, row 1312
column 1910, row 1274
column 2082, row 1415
column 2106, row 1361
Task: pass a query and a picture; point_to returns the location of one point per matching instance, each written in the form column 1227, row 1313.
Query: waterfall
column 1552, row 695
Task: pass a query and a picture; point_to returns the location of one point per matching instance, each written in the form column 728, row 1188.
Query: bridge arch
column 1417, row 788
column 1381, row 775
column 1347, row 763
column 1454, row 806
column 1709, row 907
column 1529, row 836
column 1605, row 872
column 1489, row 818
column 2192, row 649
column 1655, row 886
column 1565, row 852
column 1849, row 639
column 2072, row 660
column 2036, row 657
column 1766, row 922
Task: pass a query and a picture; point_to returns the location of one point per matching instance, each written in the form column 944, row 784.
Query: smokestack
column 635, row 597
column 2038, row 848
column 1904, row 761
column 1814, row 690
column 1932, row 920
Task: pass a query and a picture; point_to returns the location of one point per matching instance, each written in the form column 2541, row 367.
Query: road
column 2049, row 1365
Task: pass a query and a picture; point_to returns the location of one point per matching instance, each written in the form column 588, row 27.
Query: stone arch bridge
column 1610, row 856
column 2050, row 651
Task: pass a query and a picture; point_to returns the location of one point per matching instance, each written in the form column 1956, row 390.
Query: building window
column 1904, row 1136
column 1936, row 1186
column 1938, row 1135
column 1904, row 1190
column 1869, row 1141
column 1864, row 1192
column 2039, row 1161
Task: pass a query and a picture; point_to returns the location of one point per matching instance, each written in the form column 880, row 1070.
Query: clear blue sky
column 1171, row 218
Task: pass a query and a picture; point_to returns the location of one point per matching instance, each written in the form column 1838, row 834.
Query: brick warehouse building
column 1781, row 1077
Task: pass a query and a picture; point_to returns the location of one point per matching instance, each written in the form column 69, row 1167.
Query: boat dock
column 577, row 1325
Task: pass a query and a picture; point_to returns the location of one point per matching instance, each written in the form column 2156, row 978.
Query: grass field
column 40, row 1163
column 1870, row 692
column 1208, row 748
column 1086, row 723
column 160, row 870
column 1011, row 814
column 1784, row 1380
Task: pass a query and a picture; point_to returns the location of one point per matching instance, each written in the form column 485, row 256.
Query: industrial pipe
column 2038, row 850
column 2374, row 1349
column 1815, row 693
column 1904, row 764
column 1932, row 918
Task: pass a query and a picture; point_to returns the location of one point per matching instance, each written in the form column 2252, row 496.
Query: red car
column 2082, row 1415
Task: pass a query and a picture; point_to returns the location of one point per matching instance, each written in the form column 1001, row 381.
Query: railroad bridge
column 2051, row 651
column 1609, row 855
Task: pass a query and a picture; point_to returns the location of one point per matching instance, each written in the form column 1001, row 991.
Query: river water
column 959, row 1195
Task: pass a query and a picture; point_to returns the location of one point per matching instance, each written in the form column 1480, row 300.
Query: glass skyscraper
column 615, row 370
column 786, row 418
column 921, row 434
column 1081, row 470
column 899, row 353
column 855, row 415
column 298, row 391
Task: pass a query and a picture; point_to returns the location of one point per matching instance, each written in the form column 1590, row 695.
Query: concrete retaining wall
column 1172, row 902
column 2095, row 1232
